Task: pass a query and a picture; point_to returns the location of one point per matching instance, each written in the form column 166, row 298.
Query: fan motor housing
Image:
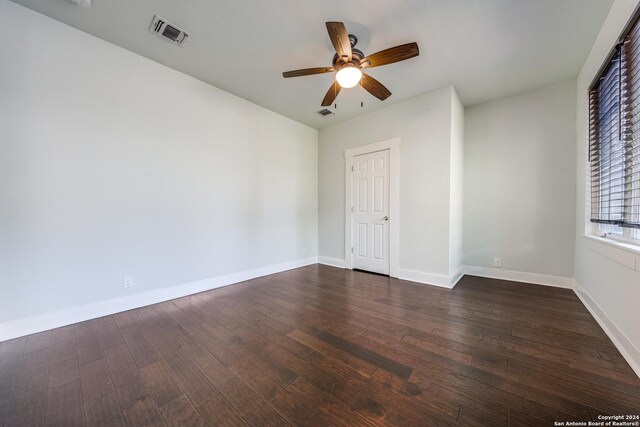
column 356, row 57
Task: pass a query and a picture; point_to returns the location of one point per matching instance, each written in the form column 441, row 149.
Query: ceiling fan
column 349, row 63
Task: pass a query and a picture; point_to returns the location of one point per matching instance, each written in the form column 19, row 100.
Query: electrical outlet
column 127, row 282
column 497, row 262
column 304, row 251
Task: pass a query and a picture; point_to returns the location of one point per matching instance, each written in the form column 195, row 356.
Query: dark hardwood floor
column 324, row 346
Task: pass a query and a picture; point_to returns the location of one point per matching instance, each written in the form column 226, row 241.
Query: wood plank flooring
column 324, row 346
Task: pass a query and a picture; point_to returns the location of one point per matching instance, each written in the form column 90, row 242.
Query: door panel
column 362, row 195
column 371, row 212
column 378, row 164
column 362, row 240
column 378, row 242
column 378, row 194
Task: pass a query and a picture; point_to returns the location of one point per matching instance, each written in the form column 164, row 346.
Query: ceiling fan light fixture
column 348, row 77
column 349, row 62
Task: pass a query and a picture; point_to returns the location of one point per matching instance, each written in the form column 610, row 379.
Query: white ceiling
column 485, row 48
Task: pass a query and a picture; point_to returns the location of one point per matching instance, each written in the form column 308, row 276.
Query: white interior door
column 370, row 219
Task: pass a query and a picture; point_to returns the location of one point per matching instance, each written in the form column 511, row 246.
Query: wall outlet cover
column 127, row 282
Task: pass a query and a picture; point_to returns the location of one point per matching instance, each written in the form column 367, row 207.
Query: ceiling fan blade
column 374, row 87
column 307, row 72
column 391, row 55
column 331, row 95
column 340, row 39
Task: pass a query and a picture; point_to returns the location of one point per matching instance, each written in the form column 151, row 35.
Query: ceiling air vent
column 325, row 112
column 82, row 3
column 167, row 30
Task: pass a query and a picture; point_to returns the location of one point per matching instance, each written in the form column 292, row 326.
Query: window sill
column 626, row 254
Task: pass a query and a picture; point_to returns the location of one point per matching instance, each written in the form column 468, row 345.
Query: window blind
column 614, row 136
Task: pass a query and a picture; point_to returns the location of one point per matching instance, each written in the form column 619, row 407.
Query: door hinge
column 351, row 249
column 351, row 208
column 351, row 168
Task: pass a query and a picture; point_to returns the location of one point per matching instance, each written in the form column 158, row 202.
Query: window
column 614, row 141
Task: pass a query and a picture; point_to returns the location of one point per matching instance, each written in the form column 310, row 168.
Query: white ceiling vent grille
column 82, row 3
column 325, row 112
column 167, row 30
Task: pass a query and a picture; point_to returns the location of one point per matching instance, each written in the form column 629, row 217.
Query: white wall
column 607, row 280
column 519, row 186
column 114, row 165
column 424, row 126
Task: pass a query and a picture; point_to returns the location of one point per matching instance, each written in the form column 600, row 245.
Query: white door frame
column 393, row 145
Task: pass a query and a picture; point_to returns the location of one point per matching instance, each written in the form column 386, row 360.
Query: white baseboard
column 30, row 325
column 624, row 345
column 493, row 273
column 334, row 262
column 404, row 274
column 450, row 281
column 455, row 277
column 425, row 278
column 409, row 275
column 520, row 276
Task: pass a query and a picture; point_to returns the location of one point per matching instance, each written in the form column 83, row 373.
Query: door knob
column 386, row 218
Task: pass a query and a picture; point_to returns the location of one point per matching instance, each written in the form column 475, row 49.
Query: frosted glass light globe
column 348, row 77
